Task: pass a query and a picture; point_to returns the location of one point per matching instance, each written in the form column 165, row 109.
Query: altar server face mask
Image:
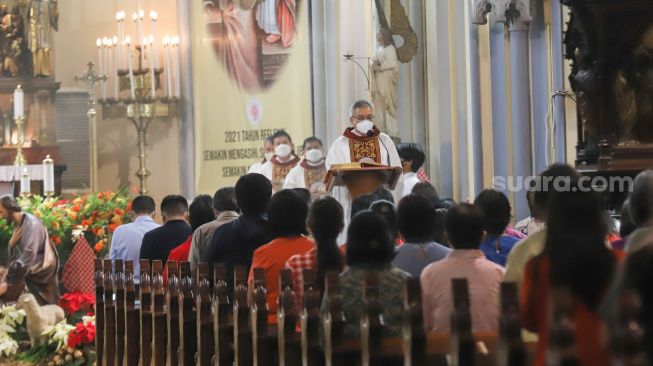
column 283, row 150
column 269, row 155
column 313, row 155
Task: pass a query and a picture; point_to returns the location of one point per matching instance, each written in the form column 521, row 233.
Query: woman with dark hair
column 496, row 208
column 576, row 258
column 370, row 248
column 200, row 212
column 325, row 222
column 388, row 212
column 287, row 224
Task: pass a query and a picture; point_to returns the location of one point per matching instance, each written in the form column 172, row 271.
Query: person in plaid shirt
column 325, row 222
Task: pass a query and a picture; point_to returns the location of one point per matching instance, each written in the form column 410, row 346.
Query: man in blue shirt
column 234, row 243
column 126, row 240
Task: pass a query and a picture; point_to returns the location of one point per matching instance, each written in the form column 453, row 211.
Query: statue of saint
column 43, row 17
column 384, row 79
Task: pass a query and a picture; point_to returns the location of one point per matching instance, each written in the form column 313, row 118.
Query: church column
column 517, row 14
column 186, row 117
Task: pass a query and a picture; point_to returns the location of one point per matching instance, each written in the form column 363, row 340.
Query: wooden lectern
column 361, row 178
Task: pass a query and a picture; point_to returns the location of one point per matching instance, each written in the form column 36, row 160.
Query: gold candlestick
column 20, row 127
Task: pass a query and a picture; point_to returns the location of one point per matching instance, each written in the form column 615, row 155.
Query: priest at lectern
column 362, row 142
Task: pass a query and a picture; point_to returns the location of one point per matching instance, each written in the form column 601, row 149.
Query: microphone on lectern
column 370, row 133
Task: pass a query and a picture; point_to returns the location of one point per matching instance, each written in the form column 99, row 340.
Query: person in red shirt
column 287, row 223
column 200, row 212
column 577, row 258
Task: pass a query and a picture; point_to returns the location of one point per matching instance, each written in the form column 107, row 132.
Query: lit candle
column 175, row 61
column 105, row 45
column 154, row 17
column 138, row 19
column 153, row 83
column 98, row 42
column 116, row 83
column 131, row 69
column 166, row 50
column 19, row 103
column 115, row 39
column 24, row 183
column 48, row 176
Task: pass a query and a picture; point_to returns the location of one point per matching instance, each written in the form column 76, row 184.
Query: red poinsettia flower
column 73, row 302
column 82, row 335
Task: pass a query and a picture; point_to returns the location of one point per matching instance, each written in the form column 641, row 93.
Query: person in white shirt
column 412, row 157
column 311, row 171
column 282, row 162
column 362, row 141
column 268, row 153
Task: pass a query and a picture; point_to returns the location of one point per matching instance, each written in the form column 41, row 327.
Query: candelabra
column 91, row 78
column 19, row 118
column 137, row 91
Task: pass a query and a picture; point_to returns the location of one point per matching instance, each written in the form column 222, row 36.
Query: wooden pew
column 133, row 334
column 203, row 305
column 119, row 281
column 463, row 346
column 99, row 311
column 109, row 316
column 146, row 313
column 512, row 349
column 222, row 317
column 289, row 340
column 414, row 334
column 242, row 328
column 160, row 318
column 562, row 342
column 628, row 336
column 172, row 310
column 335, row 352
column 187, row 321
column 262, row 341
column 312, row 354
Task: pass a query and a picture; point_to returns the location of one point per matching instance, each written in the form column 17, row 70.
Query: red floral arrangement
column 73, row 302
column 82, row 335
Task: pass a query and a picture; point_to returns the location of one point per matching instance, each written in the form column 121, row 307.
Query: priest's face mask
column 361, row 114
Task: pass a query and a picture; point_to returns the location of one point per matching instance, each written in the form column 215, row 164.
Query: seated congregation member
column 268, row 153
column 533, row 245
column 282, row 162
column 370, row 249
column 158, row 242
column 428, row 191
column 496, row 208
column 575, row 258
column 362, row 142
column 533, row 223
column 388, row 212
column 226, row 210
column 287, row 226
column 234, row 243
column 641, row 212
column 127, row 238
column 626, row 227
column 325, row 222
column 412, row 158
column 464, row 227
column 310, row 173
column 200, row 212
column 417, row 222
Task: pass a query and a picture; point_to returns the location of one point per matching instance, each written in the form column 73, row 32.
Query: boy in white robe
column 268, row 153
column 282, row 162
column 311, row 171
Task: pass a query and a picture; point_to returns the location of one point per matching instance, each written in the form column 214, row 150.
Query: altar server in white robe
column 268, row 153
column 311, row 171
column 362, row 142
column 282, row 162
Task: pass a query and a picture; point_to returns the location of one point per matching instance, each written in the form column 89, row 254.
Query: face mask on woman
column 282, row 150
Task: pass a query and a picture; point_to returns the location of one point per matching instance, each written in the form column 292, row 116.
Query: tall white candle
column 154, row 17
column 166, row 64
column 98, row 42
column 116, row 83
column 48, row 176
column 105, row 62
column 24, row 183
column 153, row 83
column 138, row 18
column 131, row 69
column 19, row 102
column 119, row 37
column 175, row 61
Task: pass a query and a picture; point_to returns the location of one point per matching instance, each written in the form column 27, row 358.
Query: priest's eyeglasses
column 369, row 117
